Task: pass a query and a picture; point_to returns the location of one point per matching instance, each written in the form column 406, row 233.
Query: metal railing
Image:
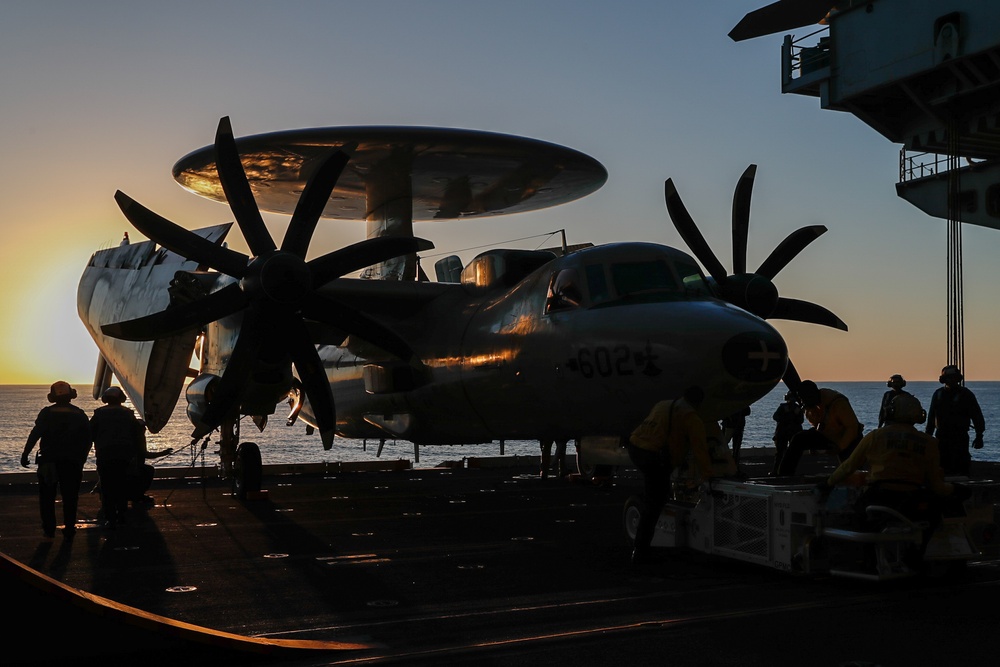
column 799, row 58
column 920, row 165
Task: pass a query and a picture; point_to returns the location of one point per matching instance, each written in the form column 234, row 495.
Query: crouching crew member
column 835, row 427
column 660, row 443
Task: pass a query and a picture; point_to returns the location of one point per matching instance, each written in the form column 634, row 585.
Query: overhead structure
column 925, row 75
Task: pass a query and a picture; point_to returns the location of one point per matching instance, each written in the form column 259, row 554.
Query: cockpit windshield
column 607, row 283
column 644, row 281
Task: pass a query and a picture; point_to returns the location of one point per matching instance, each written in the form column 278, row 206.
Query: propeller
column 754, row 292
column 276, row 288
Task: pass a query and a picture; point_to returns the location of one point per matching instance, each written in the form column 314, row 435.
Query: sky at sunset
column 100, row 96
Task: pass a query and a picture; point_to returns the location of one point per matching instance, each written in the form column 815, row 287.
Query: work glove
column 24, row 461
column 978, row 442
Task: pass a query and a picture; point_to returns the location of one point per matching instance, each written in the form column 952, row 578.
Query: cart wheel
column 634, row 508
column 248, row 470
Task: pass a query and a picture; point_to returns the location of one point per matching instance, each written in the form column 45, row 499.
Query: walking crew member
column 834, row 426
column 953, row 409
column 656, row 446
column 64, row 432
column 116, row 444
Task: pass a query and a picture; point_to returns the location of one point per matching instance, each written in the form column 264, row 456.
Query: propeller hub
column 751, row 292
column 278, row 277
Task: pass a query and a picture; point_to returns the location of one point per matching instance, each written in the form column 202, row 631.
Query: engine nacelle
column 198, row 394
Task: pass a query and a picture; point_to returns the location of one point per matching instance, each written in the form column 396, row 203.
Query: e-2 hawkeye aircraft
column 516, row 345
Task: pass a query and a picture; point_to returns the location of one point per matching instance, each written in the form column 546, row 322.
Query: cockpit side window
column 597, row 283
column 564, row 291
column 692, row 278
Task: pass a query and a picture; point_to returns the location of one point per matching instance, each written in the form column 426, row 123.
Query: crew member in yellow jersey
column 659, row 444
column 835, row 427
column 903, row 463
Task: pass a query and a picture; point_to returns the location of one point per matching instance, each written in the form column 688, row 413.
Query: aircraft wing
column 131, row 281
column 385, row 298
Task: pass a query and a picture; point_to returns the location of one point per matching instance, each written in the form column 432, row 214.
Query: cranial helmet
column 809, row 393
column 113, row 395
column 949, row 372
column 61, row 391
column 896, row 381
column 905, row 408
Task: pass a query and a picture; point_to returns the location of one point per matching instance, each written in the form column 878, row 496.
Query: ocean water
column 19, row 405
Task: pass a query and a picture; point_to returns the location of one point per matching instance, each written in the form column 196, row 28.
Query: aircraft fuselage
column 635, row 323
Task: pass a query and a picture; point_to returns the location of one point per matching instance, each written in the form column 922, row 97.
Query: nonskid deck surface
column 449, row 566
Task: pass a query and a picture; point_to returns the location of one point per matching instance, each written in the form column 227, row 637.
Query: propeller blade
column 791, row 377
column 364, row 253
column 176, row 319
column 314, row 381
column 804, row 311
column 741, row 218
column 184, row 242
column 226, row 395
column 355, row 323
column 237, row 188
column 689, row 232
column 786, row 251
column 311, row 204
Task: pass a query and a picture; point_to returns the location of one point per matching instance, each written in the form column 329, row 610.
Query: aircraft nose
column 755, row 356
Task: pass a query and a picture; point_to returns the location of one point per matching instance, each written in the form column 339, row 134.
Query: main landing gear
column 241, row 462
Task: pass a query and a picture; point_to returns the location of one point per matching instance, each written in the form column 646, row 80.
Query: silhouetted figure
column 116, row 443
column 952, row 411
column 835, row 427
column 788, row 420
column 660, row 443
column 895, row 384
column 734, row 425
column 64, row 434
column 546, row 448
column 904, row 467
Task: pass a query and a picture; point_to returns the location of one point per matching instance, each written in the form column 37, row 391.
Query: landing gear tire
column 247, row 471
column 634, row 507
column 588, row 471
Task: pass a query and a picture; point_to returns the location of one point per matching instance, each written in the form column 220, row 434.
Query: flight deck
column 473, row 561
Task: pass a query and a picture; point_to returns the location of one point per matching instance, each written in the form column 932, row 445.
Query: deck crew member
column 788, row 420
column 64, row 432
column 895, row 384
column 546, row 449
column 660, row 443
column 952, row 410
column 116, row 444
column 834, row 426
column 903, row 463
column 734, row 426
